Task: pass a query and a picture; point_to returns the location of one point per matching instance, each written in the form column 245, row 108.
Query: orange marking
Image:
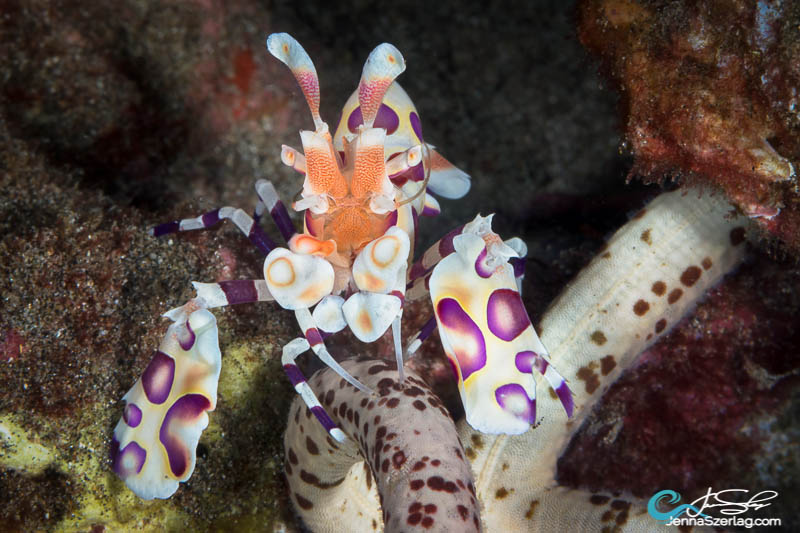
column 288, row 265
column 352, row 228
column 372, row 283
column 324, row 176
column 378, row 262
column 369, row 171
column 306, row 244
column 310, row 294
column 365, row 321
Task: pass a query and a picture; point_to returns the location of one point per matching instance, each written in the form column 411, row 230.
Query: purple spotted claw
column 165, row 413
column 486, row 332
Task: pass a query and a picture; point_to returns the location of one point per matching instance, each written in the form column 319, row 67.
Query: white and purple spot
column 129, row 460
column 464, row 336
column 513, row 399
column 183, row 412
column 158, row 377
column 416, row 124
column 187, row 337
column 386, row 119
column 132, row 415
column 506, row 314
column 481, row 267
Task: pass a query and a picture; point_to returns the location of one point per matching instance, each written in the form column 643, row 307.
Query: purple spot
column 506, row 314
column 323, row 418
column 415, row 173
column 313, row 336
column 391, row 220
column 386, row 119
column 157, row 377
column 453, row 367
column 187, row 338
column 239, row 291
column 480, row 265
column 416, row 125
column 513, row 399
column 525, row 360
column 446, row 243
column 132, row 415
column 400, row 296
column 128, row 461
column 183, row 412
column 310, row 224
column 294, row 374
column 398, row 177
column 565, row 395
column 343, row 158
column 528, row 360
column 210, row 218
column 519, row 266
column 355, row 120
column 167, row 227
column 541, row 364
column 463, row 335
column 430, row 211
column 418, row 172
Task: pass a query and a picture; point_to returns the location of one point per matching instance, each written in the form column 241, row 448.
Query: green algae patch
column 242, row 371
column 19, row 449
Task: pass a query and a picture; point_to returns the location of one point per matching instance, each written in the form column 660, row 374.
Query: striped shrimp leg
column 243, row 221
column 270, row 201
column 290, row 353
column 222, row 294
column 232, row 292
column 420, row 271
column 313, row 339
column 420, row 337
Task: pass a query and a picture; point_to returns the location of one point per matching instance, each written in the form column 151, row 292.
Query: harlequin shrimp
column 363, row 190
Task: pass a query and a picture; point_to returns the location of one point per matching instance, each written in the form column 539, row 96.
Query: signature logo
column 719, row 501
column 671, row 497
